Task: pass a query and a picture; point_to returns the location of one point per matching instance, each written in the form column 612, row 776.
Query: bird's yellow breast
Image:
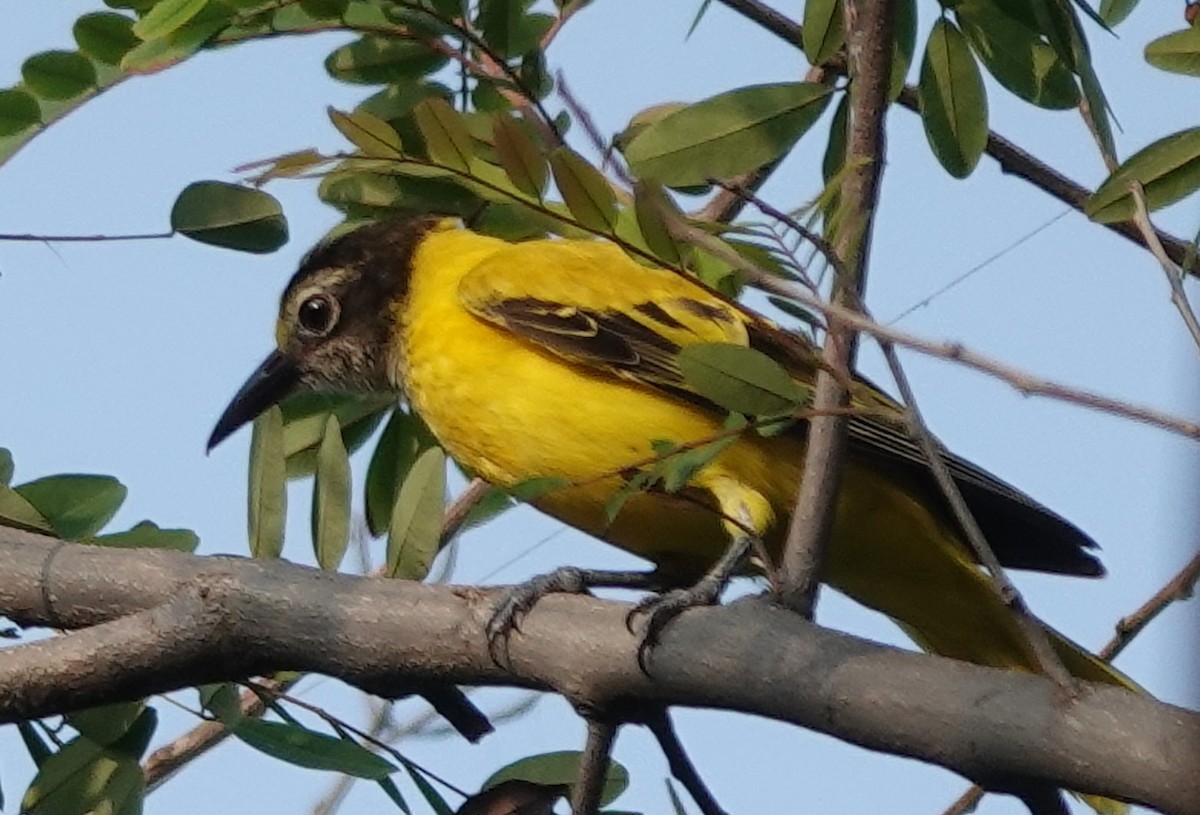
column 512, row 411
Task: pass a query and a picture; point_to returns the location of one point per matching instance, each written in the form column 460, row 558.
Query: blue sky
column 117, row 358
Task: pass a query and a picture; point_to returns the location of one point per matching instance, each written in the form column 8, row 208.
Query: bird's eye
column 317, row 314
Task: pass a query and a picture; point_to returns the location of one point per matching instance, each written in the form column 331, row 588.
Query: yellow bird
column 559, row 358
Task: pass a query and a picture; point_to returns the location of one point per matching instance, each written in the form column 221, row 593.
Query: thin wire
column 522, row 554
column 978, row 267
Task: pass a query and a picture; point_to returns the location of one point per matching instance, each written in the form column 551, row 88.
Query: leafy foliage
column 471, row 136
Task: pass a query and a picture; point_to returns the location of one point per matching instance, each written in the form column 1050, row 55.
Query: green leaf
column 823, row 33
column 835, row 149
column 436, row 802
column 726, row 135
column 739, row 379
column 84, row 777
column 416, row 524
column 308, row 748
column 392, row 791
column 331, row 499
column 373, row 137
column 162, row 52
column 904, row 44
column 1168, row 169
column 1114, row 12
column 325, row 9
column 16, row 511
column 304, row 417
column 1098, row 108
column 1177, row 52
column 230, row 216
column 166, row 17
column 397, row 101
column 494, row 502
column 223, row 700
column 105, row 725
column 376, row 60
column 104, row 36
column 403, row 439
column 58, row 74
column 584, row 190
column 654, row 209
column 523, row 161
column 147, row 535
column 678, row 466
column 536, row 78
column 35, row 745
column 953, row 100
column 268, row 485
column 1014, row 53
column 531, row 489
column 18, row 111
column 447, row 140
column 75, row 505
column 560, row 767
column 508, row 29
column 6, row 466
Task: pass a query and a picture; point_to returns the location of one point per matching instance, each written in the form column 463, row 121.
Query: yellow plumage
column 513, row 409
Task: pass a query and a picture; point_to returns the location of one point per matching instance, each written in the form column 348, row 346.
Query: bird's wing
column 589, row 303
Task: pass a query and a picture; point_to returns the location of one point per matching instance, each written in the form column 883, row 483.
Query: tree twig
column 967, row 801
column 1173, row 272
column 681, row 765
column 593, row 766
column 1179, row 587
column 141, row 236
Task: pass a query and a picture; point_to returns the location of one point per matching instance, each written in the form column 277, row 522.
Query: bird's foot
column 660, row 609
column 519, row 600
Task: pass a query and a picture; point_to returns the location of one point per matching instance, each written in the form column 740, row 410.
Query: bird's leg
column 662, row 608
column 519, row 600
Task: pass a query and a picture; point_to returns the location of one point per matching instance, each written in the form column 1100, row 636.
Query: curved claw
column 520, row 600
column 661, row 609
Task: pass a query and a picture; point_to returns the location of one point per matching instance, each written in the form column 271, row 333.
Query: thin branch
column 588, row 789
column 966, row 802
column 459, row 510
column 167, row 760
column 681, row 765
column 1178, row 588
column 1173, row 272
column 144, row 236
column 1040, row 650
column 868, row 25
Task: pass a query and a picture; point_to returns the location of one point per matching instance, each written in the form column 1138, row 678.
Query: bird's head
column 337, row 321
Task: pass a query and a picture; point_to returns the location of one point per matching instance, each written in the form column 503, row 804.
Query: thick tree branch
column 225, row 618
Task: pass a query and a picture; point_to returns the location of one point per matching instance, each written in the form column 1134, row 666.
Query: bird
column 560, row 359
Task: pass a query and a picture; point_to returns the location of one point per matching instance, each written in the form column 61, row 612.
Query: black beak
column 273, row 380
